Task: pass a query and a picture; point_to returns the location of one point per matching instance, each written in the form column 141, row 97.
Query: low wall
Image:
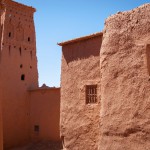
column 45, row 114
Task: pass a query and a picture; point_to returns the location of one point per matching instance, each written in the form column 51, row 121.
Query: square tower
column 18, row 64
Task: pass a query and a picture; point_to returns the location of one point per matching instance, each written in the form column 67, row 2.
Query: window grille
column 91, row 94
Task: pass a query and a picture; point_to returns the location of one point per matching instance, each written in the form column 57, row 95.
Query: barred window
column 91, row 94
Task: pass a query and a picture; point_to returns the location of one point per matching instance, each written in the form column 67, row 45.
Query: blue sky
column 61, row 20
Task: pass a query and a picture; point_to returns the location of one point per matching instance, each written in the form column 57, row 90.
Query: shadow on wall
column 82, row 50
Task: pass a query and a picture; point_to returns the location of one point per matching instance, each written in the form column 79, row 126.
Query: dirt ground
column 41, row 146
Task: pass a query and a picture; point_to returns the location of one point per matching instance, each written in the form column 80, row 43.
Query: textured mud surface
column 80, row 121
column 125, row 84
column 41, row 146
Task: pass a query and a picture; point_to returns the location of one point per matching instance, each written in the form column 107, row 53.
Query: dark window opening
column 9, row 49
column 21, row 66
column 91, row 94
column 30, row 67
column 9, row 34
column 28, row 39
column 36, row 128
column 20, row 51
column 31, row 54
column 22, row 77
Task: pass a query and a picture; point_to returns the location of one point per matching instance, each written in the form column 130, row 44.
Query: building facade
column 18, row 57
column 19, row 76
column 104, row 92
column 45, row 114
column 80, row 92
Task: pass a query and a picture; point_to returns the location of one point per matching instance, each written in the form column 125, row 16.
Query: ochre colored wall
column 1, row 128
column 80, row 67
column 125, row 81
column 18, row 56
column 45, row 112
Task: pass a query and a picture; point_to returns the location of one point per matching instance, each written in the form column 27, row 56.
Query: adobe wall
column 1, row 128
column 19, row 71
column 45, row 113
column 80, row 67
column 125, row 81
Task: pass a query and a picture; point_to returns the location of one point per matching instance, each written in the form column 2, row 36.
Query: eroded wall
column 19, row 71
column 80, row 67
column 45, row 114
column 125, row 82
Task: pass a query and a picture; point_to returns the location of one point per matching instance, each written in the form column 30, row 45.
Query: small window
column 28, row 39
column 21, row 66
column 91, row 94
column 36, row 128
column 9, row 34
column 9, row 50
column 20, row 51
column 22, row 77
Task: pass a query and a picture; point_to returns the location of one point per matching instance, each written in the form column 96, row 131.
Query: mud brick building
column 104, row 101
column 19, row 91
column 105, row 87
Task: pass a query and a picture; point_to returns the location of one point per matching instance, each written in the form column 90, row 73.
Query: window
column 20, row 51
column 28, row 39
column 36, row 128
column 9, row 34
column 91, row 94
column 21, row 66
column 22, row 77
column 9, row 50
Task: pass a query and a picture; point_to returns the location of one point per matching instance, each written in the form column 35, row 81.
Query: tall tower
column 19, row 70
column 1, row 128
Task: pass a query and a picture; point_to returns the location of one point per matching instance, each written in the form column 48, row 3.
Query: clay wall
column 19, row 71
column 45, row 114
column 80, row 67
column 125, row 81
column 1, row 128
column 1, row 123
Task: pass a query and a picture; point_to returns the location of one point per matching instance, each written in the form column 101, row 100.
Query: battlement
column 18, row 6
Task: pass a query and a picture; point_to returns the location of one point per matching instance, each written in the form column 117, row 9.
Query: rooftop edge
column 80, row 38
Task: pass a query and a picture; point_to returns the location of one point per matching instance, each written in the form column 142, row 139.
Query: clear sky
column 61, row 20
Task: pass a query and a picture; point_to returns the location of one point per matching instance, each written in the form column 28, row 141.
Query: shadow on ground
column 41, row 146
